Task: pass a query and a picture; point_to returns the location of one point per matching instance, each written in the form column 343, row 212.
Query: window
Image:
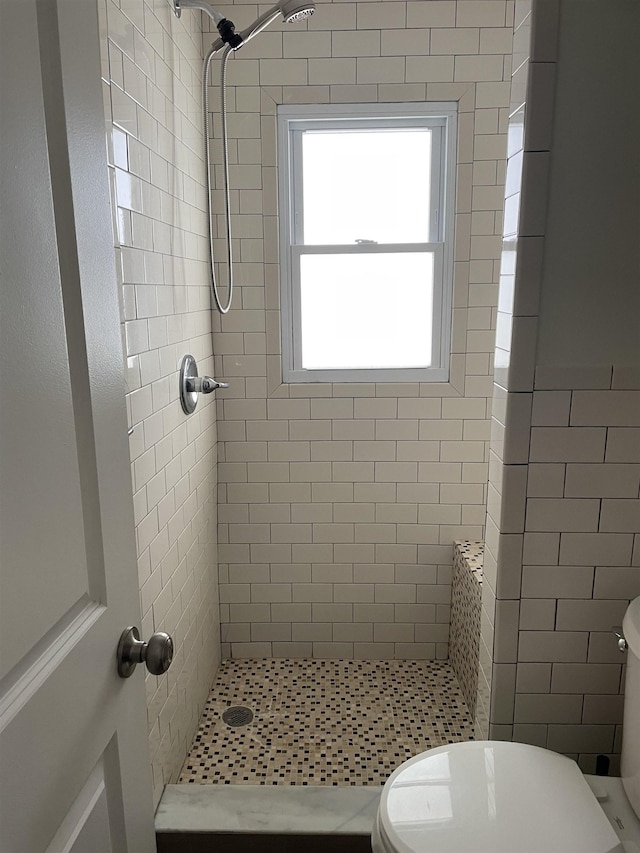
column 366, row 225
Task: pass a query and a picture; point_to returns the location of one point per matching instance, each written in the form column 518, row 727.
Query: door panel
column 85, row 829
column 73, row 736
column 36, row 528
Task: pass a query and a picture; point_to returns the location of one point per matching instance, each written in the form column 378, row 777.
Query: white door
column 74, row 763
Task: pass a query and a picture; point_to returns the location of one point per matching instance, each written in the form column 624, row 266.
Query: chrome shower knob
column 204, row 384
column 191, row 384
column 156, row 654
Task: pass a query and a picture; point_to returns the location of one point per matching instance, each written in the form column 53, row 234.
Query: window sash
column 436, row 202
column 439, row 341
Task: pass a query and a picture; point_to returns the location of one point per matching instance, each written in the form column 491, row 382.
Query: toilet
column 499, row 797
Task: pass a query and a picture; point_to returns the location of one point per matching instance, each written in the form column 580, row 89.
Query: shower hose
column 225, row 173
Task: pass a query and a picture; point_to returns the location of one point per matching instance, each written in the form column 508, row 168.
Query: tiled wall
column 338, row 504
column 563, row 550
column 151, row 71
column 466, row 609
column 515, row 336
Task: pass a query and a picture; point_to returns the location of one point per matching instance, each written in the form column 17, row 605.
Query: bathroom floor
column 324, row 722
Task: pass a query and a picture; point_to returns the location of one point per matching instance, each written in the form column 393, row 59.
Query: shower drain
column 237, row 715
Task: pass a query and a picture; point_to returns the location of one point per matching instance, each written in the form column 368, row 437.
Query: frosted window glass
column 366, row 311
column 366, row 185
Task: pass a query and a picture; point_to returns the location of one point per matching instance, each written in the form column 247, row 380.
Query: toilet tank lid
column 483, row 796
column 631, row 626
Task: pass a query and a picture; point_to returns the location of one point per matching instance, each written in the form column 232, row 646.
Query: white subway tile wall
column 559, row 563
column 151, row 74
column 339, row 504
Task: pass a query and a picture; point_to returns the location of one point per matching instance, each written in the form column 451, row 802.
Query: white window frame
column 293, row 120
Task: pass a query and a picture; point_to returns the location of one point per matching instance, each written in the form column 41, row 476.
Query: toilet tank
column 630, row 768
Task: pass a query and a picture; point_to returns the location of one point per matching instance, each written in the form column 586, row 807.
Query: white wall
column 339, row 503
column 152, row 72
column 590, row 304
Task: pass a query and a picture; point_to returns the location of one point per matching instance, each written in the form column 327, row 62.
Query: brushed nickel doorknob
column 157, row 653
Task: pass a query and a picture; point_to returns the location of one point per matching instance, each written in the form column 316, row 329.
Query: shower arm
column 225, row 27
column 179, row 5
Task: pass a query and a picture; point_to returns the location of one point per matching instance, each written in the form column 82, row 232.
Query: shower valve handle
column 204, row 384
column 191, row 384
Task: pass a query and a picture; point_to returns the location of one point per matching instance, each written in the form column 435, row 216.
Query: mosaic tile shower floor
column 320, row 722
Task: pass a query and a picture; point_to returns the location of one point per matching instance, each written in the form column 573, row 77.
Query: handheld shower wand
column 291, row 11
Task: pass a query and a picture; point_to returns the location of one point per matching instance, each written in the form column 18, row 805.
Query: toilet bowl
column 499, row 797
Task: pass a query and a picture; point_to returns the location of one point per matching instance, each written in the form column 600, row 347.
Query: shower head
column 294, row 11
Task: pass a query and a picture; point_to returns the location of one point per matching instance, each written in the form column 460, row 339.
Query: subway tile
column 356, row 512
column 401, row 92
column 550, row 377
column 601, row 710
column 551, row 408
column 529, row 275
column 380, row 69
column 552, row 646
column 251, row 650
column 505, row 639
column 537, row 614
column 330, row 573
column 582, row 678
column 455, row 41
column 332, row 612
column 616, row 583
column 372, row 573
column 533, row 734
column 544, row 32
column 381, row 16
column 490, row 13
column 582, row 615
column 558, row 444
column 620, row 516
column 355, row 553
column 353, row 633
column 496, row 40
column 555, row 708
column 415, row 651
column 333, row 533
column 557, row 582
column 377, row 613
column 581, row 738
column 474, row 69
column 602, row 549
column 312, row 592
column 429, row 69
column 626, row 377
column 409, row 42
column 503, row 690
column 603, row 648
column 364, row 430
column 545, row 480
column 438, row 472
column 623, row 445
column 395, row 593
column 533, row 678
column 609, row 480
column 437, row 13
column 540, row 101
column 564, row 514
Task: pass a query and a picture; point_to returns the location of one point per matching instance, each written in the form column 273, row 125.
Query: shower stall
column 300, row 532
column 308, row 606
